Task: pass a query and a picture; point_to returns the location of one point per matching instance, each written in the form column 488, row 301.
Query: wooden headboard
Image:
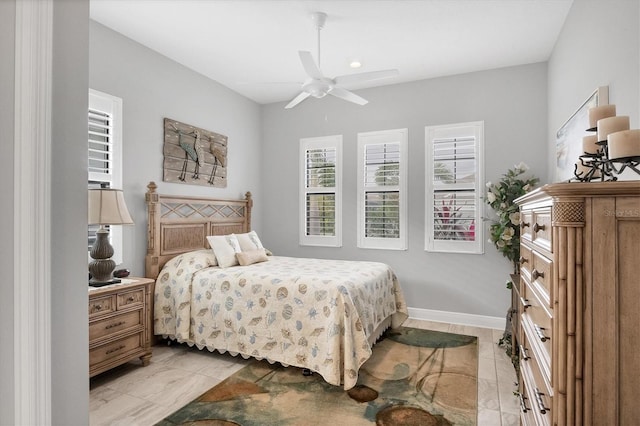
column 178, row 224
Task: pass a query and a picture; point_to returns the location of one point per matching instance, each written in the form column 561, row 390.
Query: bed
column 318, row 314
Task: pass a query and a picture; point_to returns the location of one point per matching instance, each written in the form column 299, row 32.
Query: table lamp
column 106, row 207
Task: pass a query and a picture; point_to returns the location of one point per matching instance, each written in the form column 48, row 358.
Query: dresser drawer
column 541, row 277
column 536, row 324
column 533, row 353
column 526, row 219
column 101, row 306
column 538, row 398
column 525, row 260
column 131, row 298
column 114, row 350
column 541, row 228
column 115, row 324
column 527, row 417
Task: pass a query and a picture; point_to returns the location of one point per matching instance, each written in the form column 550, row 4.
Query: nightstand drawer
column 117, row 349
column 101, row 305
column 131, row 298
column 115, row 325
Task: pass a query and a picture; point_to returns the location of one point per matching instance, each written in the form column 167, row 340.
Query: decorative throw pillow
column 249, row 241
column 225, row 248
column 250, row 257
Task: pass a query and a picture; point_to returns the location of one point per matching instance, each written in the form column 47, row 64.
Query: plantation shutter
column 320, row 196
column 100, row 146
column 320, row 185
column 454, row 181
column 381, row 190
column 104, row 151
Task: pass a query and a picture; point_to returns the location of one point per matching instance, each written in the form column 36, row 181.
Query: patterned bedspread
column 310, row 313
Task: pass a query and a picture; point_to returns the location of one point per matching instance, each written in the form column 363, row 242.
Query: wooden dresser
column 579, row 329
column 120, row 324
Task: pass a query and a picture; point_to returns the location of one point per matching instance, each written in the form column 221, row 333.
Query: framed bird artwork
column 193, row 155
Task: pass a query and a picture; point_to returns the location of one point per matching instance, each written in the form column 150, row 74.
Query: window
column 454, row 178
column 382, row 189
column 320, row 191
column 105, row 155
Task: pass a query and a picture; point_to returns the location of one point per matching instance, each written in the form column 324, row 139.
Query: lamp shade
column 107, row 207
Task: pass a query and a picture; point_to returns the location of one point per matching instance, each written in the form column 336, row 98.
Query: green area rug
column 414, row 377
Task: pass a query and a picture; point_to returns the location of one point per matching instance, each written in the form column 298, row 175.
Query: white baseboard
column 457, row 318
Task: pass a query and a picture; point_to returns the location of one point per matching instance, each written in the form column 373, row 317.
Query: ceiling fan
column 318, row 86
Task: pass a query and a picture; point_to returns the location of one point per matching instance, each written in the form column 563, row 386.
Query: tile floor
column 134, row 395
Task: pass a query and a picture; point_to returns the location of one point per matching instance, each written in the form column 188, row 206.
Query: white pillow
column 249, row 241
column 225, row 248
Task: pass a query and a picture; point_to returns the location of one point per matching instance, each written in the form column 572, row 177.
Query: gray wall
column 599, row 45
column 7, row 68
column 153, row 87
column 511, row 101
column 69, row 325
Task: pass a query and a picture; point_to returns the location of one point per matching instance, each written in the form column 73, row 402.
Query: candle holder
column 627, row 162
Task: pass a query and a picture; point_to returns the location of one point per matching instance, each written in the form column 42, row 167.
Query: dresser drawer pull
column 540, row 333
column 525, row 303
column 537, row 227
column 523, row 259
column 97, row 307
column 540, row 402
column 131, row 299
column 535, row 274
column 117, row 324
column 115, row 349
column 525, row 355
column 524, row 225
column 523, row 403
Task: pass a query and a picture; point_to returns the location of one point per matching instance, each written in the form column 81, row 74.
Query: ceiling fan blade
column 365, row 76
column 295, row 101
column 348, row 96
column 309, row 65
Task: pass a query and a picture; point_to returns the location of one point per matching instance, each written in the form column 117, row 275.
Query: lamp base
column 103, row 283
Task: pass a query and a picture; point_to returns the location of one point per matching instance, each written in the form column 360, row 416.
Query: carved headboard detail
column 179, row 224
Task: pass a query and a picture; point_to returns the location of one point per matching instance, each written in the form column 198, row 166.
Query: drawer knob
column 540, row 332
column 537, row 227
column 524, row 225
column 535, row 274
column 523, row 404
column 131, row 299
column 523, row 259
column 97, row 307
column 525, row 303
column 540, row 402
column 525, row 355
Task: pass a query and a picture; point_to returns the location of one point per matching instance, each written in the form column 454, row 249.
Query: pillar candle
column 612, row 125
column 624, row 144
column 598, row 113
column 589, row 144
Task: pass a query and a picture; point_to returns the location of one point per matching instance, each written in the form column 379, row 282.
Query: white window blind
column 320, row 191
column 454, row 176
column 104, row 147
column 382, row 189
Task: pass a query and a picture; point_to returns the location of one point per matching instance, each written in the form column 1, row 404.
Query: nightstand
column 120, row 324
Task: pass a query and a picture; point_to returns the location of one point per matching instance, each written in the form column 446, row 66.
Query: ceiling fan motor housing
column 318, row 88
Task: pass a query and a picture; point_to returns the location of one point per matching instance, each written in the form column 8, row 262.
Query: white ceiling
column 251, row 46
